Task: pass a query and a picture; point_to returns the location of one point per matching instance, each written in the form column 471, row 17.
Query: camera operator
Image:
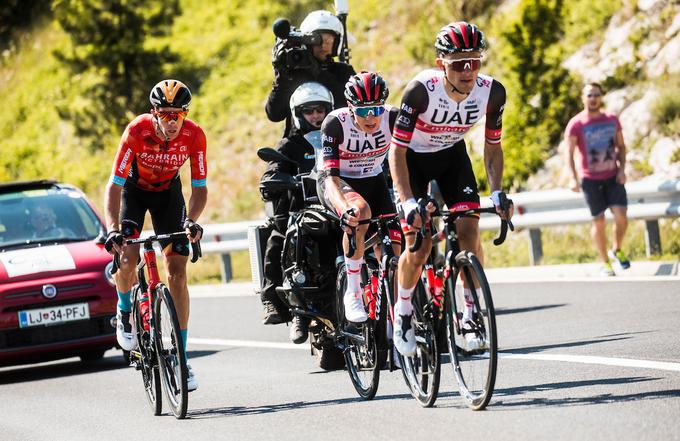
column 304, row 56
column 309, row 105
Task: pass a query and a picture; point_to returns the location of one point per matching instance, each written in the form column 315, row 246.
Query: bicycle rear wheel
column 170, row 348
column 474, row 359
column 145, row 358
column 361, row 349
column 423, row 370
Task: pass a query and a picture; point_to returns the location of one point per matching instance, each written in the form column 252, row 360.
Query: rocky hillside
column 636, row 58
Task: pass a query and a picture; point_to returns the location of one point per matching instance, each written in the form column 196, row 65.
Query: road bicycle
column 367, row 347
column 160, row 353
column 439, row 309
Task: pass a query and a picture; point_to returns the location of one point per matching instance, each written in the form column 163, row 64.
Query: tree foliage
column 111, row 58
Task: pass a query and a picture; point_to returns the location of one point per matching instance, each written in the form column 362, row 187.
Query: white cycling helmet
column 323, row 21
column 308, row 94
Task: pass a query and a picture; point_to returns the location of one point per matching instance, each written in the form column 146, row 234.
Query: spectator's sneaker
column 473, row 339
column 125, row 331
column 404, row 338
column 271, row 314
column 354, row 308
column 192, row 382
column 299, row 330
column 607, row 270
column 619, row 258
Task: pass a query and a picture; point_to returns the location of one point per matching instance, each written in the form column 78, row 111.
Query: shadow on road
column 504, row 311
column 515, row 397
column 571, row 344
column 58, row 369
column 221, row 412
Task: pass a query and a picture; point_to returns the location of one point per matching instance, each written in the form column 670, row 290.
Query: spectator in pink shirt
column 601, row 175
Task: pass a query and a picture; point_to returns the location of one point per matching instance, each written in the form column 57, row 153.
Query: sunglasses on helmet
column 463, row 64
column 172, row 115
column 363, row 112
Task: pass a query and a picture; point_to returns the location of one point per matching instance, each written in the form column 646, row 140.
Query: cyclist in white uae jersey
column 439, row 106
column 355, row 143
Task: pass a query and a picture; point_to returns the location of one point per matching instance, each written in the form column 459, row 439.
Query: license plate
column 53, row 315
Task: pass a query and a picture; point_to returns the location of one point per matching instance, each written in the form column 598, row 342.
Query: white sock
column 353, row 275
column 404, row 305
column 469, row 304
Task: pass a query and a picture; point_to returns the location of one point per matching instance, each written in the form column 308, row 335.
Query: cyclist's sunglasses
column 309, row 110
column 172, row 116
column 363, row 112
column 463, row 64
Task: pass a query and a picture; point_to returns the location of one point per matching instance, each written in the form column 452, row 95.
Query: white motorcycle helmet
column 323, row 21
column 308, row 94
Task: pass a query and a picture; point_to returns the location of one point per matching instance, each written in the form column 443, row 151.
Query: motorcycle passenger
column 355, row 142
column 309, row 105
column 321, row 68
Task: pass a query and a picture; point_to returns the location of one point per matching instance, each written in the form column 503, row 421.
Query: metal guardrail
column 647, row 200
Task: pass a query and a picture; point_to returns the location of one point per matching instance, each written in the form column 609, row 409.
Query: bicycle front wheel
column 145, row 357
column 422, row 371
column 170, row 348
column 473, row 346
column 361, row 349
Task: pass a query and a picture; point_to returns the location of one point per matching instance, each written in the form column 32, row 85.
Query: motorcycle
column 311, row 257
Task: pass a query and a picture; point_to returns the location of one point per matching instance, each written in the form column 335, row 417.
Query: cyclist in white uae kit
column 355, row 142
column 438, row 107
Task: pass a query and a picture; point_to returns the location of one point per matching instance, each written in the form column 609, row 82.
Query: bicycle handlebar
column 452, row 216
column 196, row 251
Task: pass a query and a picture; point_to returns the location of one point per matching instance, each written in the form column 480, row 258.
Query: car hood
column 49, row 261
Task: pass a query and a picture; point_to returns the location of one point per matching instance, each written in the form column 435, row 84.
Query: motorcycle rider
column 309, row 105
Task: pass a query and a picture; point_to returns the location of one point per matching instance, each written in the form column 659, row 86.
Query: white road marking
column 584, row 359
column 246, row 343
column 607, row 361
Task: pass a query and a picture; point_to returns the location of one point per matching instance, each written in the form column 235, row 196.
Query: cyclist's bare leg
column 355, row 200
column 177, row 283
column 126, row 275
column 411, row 264
column 468, row 239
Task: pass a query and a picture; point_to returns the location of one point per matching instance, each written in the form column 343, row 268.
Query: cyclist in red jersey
column 438, row 107
column 145, row 177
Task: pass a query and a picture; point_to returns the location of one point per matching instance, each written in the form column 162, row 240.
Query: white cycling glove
column 408, row 207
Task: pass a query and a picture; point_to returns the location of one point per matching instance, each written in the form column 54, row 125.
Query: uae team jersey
column 151, row 163
column 430, row 121
column 351, row 153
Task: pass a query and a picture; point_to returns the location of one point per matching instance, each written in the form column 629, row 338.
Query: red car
column 57, row 297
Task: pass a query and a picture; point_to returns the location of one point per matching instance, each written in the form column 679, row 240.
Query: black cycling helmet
column 459, row 37
column 170, row 93
column 366, row 89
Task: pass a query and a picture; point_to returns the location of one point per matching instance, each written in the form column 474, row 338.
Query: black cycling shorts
column 373, row 190
column 603, row 193
column 167, row 210
column 452, row 170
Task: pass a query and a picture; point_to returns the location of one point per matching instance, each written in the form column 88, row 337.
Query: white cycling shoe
column 126, row 332
column 354, row 308
column 404, row 338
column 192, row 382
column 473, row 339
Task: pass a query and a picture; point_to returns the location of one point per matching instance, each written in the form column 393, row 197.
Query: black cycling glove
column 112, row 237
column 193, row 228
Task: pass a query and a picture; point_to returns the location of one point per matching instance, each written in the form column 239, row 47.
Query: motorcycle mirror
column 268, row 154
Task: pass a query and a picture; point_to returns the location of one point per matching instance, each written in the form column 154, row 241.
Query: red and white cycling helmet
column 366, row 89
column 459, row 36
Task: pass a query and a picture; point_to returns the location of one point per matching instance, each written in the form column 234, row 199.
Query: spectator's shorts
column 603, row 193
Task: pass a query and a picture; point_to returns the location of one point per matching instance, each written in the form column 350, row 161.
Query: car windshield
column 45, row 216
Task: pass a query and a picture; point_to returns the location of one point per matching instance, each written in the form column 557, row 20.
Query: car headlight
column 108, row 274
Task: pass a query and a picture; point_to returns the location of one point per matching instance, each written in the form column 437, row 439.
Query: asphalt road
column 579, row 361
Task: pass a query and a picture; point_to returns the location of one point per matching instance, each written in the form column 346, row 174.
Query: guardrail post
column 652, row 238
column 225, row 269
column 535, row 246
